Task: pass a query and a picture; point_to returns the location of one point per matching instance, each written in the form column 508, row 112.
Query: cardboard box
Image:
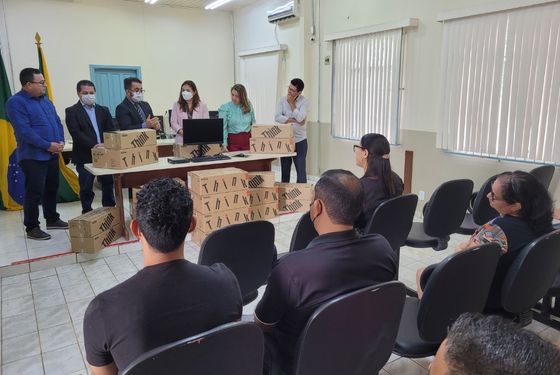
column 198, row 236
column 295, row 191
column 218, row 181
column 272, row 145
column 94, row 222
column 210, row 222
column 97, row 242
column 190, row 151
column 264, row 211
column 263, row 196
column 293, row 205
column 272, row 131
column 207, row 204
column 261, row 180
column 129, row 139
column 122, row 159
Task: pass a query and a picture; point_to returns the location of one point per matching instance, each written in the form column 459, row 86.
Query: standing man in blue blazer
column 86, row 123
column 40, row 139
column 134, row 112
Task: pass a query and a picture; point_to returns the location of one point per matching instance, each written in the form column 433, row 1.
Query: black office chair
column 458, row 284
column 352, row 334
column 529, row 277
column 247, row 249
column 544, row 174
column 393, row 219
column 481, row 211
column 304, row 233
column 233, row 349
column 443, row 215
column 547, row 310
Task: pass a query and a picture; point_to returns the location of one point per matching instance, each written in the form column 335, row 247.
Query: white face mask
column 88, row 99
column 187, row 95
column 137, row 97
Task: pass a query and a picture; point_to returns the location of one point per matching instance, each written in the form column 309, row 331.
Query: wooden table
column 134, row 177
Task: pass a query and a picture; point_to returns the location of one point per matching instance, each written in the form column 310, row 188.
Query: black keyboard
column 200, row 159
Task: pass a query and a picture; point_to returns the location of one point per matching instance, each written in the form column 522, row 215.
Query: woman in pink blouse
column 188, row 106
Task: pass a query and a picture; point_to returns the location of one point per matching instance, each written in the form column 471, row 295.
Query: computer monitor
column 203, row 131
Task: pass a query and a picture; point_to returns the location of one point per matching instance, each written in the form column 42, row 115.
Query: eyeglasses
column 493, row 197
column 40, row 83
column 357, row 146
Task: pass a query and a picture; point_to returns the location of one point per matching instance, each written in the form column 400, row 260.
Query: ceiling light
column 150, row 1
column 216, row 4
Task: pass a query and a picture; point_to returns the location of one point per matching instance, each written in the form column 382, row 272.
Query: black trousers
column 85, row 179
column 299, row 161
column 41, row 187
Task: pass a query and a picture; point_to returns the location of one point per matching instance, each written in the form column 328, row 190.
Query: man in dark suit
column 133, row 112
column 86, row 123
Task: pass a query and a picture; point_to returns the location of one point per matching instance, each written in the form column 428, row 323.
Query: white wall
column 169, row 44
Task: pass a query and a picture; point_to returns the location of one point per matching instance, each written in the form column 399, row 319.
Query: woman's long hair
column 536, row 204
column 243, row 100
column 195, row 99
column 378, row 164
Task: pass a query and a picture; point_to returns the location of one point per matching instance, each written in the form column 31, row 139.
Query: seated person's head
column 338, row 201
column 163, row 216
column 521, row 194
column 491, row 345
column 372, row 154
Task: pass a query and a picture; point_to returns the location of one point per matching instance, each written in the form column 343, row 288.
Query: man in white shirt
column 292, row 109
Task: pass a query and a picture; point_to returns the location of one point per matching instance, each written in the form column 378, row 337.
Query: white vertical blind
column 366, row 77
column 501, row 85
column 260, row 76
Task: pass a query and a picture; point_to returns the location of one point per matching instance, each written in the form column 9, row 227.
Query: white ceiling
column 232, row 5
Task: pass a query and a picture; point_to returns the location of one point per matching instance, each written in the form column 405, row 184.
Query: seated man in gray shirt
column 292, row 109
column 338, row 261
column 170, row 298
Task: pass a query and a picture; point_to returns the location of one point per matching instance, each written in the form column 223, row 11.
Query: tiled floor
column 42, row 311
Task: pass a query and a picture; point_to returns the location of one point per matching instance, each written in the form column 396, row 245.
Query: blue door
column 108, row 80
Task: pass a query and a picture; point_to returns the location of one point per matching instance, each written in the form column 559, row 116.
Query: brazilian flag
column 12, row 182
column 68, row 187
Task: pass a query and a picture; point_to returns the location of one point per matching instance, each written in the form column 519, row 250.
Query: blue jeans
column 299, row 161
column 41, row 187
column 85, row 179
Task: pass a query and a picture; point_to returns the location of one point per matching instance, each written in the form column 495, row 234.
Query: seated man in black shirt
column 338, row 261
column 170, row 299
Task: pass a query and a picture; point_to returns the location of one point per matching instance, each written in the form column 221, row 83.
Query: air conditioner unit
column 283, row 12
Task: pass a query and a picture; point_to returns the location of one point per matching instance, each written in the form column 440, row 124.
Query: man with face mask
column 86, row 123
column 338, row 261
column 134, row 112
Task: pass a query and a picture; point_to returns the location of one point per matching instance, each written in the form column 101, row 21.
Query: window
column 366, row 78
column 501, row 85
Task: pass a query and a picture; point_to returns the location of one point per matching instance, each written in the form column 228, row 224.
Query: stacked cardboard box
column 263, row 195
column 220, row 198
column 190, row 151
column 272, row 139
column 295, row 197
column 135, row 191
column 126, row 149
column 94, row 230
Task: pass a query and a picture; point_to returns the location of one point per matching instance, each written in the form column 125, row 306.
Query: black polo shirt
column 159, row 305
column 331, row 265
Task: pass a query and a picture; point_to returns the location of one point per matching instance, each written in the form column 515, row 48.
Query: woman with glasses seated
column 379, row 181
column 525, row 210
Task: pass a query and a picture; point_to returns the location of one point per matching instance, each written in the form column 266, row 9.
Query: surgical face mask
column 187, row 95
column 88, row 99
column 137, row 97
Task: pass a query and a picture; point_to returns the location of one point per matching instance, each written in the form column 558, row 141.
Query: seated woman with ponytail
column 379, row 181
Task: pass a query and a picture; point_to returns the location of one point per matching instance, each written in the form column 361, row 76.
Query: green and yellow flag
column 68, row 187
column 12, row 181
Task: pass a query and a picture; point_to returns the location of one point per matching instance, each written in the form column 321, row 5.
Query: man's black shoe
column 59, row 224
column 37, row 234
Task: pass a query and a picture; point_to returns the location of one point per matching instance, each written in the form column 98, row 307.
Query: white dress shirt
column 284, row 112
